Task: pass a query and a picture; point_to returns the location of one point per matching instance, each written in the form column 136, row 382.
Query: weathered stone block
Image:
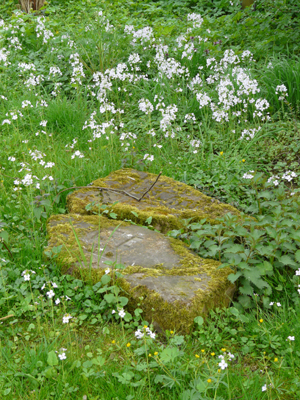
column 176, row 284
column 168, row 202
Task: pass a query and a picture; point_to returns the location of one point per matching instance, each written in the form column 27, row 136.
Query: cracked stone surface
column 167, row 202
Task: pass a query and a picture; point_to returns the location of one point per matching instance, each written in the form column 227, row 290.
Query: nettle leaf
column 265, row 268
column 236, row 248
column 246, row 287
column 233, row 277
column 245, row 301
column 271, row 231
column 297, row 255
column 287, row 260
column 265, row 195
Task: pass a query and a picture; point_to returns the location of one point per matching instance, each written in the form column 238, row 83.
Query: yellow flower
column 113, row 341
column 243, row 160
column 145, row 326
column 208, row 380
column 202, row 350
column 196, row 355
column 261, row 320
column 128, row 344
column 223, row 349
column 275, row 359
column 212, row 354
column 219, row 370
column 150, row 355
column 171, row 332
column 222, row 152
column 156, row 353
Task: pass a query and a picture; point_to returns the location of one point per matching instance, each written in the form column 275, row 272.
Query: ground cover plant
column 207, row 94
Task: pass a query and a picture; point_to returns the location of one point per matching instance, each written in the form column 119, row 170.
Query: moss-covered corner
column 66, row 231
column 167, row 203
column 179, row 315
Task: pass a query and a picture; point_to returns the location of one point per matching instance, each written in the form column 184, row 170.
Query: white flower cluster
column 14, row 43
column 77, row 73
column 66, row 318
column 287, row 176
column 4, row 57
column 77, row 154
column 148, row 157
column 104, row 22
column 54, row 71
column 121, row 312
column 248, row 175
column 27, row 273
column 223, row 357
column 196, row 19
column 62, row 354
column 127, row 136
column 42, row 31
column 189, row 117
column 168, row 116
column 146, row 106
column 147, row 331
column 249, row 133
column 282, row 90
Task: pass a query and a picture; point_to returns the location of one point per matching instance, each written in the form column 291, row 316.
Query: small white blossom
column 50, row 294
column 66, row 318
column 62, row 356
column 223, row 364
column 291, row 338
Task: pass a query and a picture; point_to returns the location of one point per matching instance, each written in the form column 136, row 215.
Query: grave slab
column 166, row 204
column 175, row 284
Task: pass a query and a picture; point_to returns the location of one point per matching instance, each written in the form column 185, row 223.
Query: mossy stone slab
column 167, row 203
column 176, row 284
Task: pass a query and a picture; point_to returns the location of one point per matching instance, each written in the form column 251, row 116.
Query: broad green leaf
column 105, row 279
column 149, row 220
column 169, row 354
column 110, row 297
column 199, row 320
column 37, row 212
column 123, row 301
column 4, row 236
column 52, row 358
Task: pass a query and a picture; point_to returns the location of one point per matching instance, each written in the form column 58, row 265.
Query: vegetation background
column 208, row 93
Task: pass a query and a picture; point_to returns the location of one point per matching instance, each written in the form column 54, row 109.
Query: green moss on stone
column 164, row 216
